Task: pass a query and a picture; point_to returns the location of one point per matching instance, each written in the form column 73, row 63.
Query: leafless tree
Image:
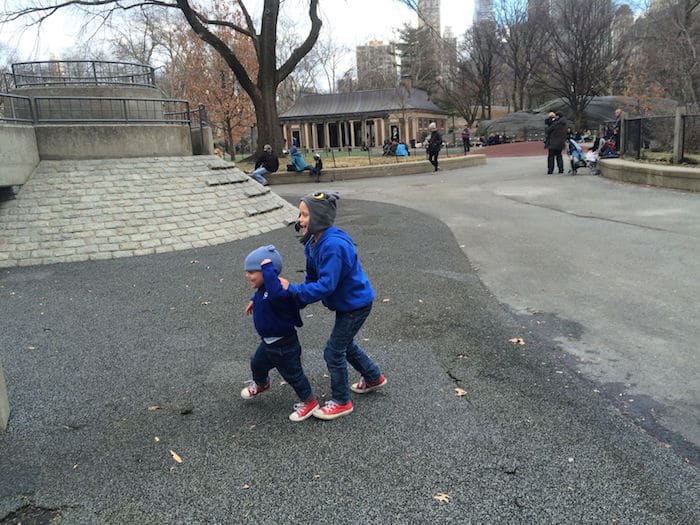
column 482, row 64
column 522, row 38
column 581, row 61
column 261, row 84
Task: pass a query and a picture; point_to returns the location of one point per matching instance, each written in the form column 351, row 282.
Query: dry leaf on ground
column 517, row 340
column 460, row 392
column 177, row 458
column 442, row 497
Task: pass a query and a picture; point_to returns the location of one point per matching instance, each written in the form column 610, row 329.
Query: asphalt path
column 608, row 270
column 111, row 365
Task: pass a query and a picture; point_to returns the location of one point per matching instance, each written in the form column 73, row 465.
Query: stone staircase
column 104, row 209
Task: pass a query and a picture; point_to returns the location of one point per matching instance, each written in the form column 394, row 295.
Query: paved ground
column 113, row 364
column 608, row 270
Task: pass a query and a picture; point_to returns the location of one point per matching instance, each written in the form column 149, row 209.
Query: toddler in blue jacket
column 334, row 276
column 276, row 316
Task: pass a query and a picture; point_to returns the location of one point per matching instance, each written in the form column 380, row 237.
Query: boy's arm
column 273, row 285
column 325, row 284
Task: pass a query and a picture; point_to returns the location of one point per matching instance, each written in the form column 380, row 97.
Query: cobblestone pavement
column 104, row 209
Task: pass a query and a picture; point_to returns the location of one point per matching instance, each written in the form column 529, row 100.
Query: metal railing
column 67, row 110
column 79, row 72
column 643, row 137
column 16, row 109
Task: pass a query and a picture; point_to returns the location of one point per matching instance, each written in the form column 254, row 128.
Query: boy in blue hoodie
column 276, row 316
column 334, row 276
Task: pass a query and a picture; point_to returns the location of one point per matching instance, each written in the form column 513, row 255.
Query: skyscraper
column 376, row 65
column 483, row 11
column 429, row 14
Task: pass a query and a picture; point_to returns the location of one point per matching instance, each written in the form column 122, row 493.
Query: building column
column 326, row 137
column 352, row 134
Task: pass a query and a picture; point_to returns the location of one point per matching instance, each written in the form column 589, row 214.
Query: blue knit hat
column 252, row 262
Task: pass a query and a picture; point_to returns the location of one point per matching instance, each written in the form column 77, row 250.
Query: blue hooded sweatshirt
column 334, row 274
column 275, row 313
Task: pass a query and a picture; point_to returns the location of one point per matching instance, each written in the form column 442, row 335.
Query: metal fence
column 16, row 109
column 653, row 137
column 68, row 110
column 79, row 72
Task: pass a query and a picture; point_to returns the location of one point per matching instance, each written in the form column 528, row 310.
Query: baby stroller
column 578, row 158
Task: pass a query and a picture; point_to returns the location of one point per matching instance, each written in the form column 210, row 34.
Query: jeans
column 287, row 360
column 342, row 349
column 258, row 173
column 555, row 154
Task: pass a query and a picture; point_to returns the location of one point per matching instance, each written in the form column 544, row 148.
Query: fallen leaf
column 317, row 476
column 195, row 261
column 153, row 408
column 75, row 466
column 386, row 300
column 204, row 303
column 251, row 427
column 420, row 301
column 246, row 486
column 156, row 439
column 460, row 392
column 517, row 340
column 442, row 497
column 31, row 348
column 462, row 356
column 177, row 458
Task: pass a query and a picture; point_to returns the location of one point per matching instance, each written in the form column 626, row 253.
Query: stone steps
column 103, row 209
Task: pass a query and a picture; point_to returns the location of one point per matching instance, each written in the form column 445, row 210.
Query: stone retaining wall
column 19, row 154
column 675, row 177
column 379, row 170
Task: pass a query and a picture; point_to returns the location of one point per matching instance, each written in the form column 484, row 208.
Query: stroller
column 578, row 158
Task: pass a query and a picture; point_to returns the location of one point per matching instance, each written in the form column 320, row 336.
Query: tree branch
column 299, row 53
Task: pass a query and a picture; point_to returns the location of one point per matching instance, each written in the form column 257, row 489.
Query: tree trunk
column 269, row 129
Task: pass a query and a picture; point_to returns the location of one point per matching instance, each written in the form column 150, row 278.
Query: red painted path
column 516, row 149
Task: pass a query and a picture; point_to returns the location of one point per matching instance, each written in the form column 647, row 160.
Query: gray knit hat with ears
column 322, row 208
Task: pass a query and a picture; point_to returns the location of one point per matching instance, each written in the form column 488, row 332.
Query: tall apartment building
column 376, row 65
column 429, row 14
column 483, row 11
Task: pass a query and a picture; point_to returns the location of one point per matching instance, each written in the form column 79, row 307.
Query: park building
column 361, row 118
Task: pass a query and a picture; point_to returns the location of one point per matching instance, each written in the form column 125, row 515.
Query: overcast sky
column 352, row 22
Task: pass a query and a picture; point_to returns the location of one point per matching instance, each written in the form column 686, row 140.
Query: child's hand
column 284, row 282
column 249, row 308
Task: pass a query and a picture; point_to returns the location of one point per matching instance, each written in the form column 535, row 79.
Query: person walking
column 434, row 145
column 555, row 137
column 466, row 136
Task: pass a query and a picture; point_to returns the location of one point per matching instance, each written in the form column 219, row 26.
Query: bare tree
column 669, row 47
column 482, row 64
column 581, row 61
column 260, row 84
column 522, row 37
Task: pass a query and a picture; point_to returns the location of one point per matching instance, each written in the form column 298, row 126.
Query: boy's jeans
column 287, row 360
column 258, row 174
column 342, row 349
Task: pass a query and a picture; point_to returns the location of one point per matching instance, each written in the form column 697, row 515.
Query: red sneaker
column 333, row 410
column 303, row 411
column 363, row 387
column 253, row 389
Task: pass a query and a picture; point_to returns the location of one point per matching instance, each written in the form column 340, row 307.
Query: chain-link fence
column 690, row 145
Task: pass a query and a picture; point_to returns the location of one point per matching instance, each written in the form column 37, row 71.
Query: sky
column 352, row 22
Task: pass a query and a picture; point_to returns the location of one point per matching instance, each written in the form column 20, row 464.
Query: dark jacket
column 435, row 142
column 268, row 161
column 555, row 135
column 275, row 314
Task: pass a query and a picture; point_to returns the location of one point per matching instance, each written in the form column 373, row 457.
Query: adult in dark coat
column 555, row 137
column 266, row 163
column 434, row 145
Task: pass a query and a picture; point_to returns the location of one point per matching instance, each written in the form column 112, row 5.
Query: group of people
column 268, row 162
column 335, row 277
column 395, row 147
